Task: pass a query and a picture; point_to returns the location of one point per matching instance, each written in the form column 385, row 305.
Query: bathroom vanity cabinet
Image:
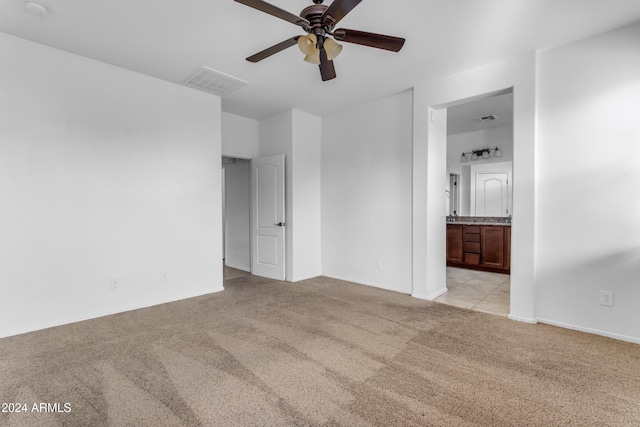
column 479, row 246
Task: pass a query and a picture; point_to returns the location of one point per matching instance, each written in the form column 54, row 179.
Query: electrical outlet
column 164, row 276
column 606, row 298
column 115, row 283
column 379, row 264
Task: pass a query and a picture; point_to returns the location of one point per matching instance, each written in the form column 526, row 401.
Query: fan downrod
column 318, row 1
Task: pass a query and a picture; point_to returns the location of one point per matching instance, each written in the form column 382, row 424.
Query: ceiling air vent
column 213, row 81
column 485, row 118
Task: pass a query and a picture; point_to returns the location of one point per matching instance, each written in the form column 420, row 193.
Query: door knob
column 280, row 224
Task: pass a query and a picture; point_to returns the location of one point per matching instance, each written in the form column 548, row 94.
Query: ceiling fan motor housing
column 314, row 14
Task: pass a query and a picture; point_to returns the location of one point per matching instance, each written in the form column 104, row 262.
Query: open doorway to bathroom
column 479, row 202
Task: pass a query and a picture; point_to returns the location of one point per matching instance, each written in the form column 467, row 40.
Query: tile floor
column 477, row 290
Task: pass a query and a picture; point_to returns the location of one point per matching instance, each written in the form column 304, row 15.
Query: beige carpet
column 320, row 352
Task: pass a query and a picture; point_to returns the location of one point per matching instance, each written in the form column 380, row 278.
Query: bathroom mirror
column 481, row 182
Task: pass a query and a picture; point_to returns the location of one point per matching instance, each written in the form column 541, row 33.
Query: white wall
column 104, row 173
column 238, row 215
column 240, row 136
column 297, row 135
column 501, row 137
column 589, row 184
column 306, row 220
column 434, row 259
column 366, row 193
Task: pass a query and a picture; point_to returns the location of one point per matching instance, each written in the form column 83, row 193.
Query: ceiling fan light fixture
column 333, row 48
column 314, row 57
column 307, row 43
column 319, row 22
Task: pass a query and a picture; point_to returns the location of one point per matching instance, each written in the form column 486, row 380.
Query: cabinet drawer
column 472, row 229
column 471, row 237
column 473, row 247
column 472, row 259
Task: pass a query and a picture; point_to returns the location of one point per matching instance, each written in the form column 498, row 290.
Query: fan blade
column 337, row 10
column 273, row 49
column 327, row 70
column 275, row 11
column 379, row 41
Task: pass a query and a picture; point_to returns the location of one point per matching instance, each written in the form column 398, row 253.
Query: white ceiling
column 461, row 118
column 169, row 39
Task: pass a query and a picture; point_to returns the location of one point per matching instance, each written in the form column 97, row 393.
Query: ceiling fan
column 319, row 21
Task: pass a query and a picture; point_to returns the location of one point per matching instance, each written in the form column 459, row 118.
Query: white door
column 268, row 221
column 491, row 194
column 491, row 189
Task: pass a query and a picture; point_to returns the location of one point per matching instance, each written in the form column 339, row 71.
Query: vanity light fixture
column 483, row 153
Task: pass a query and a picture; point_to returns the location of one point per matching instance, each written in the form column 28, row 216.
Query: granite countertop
column 501, row 224
column 479, row 220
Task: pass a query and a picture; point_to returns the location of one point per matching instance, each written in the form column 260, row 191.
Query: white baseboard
column 432, row 296
column 620, row 337
column 302, row 278
column 360, row 282
column 102, row 314
column 523, row 319
column 438, row 293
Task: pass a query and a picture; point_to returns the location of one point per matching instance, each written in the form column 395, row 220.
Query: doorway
column 429, row 175
column 479, row 146
column 253, row 222
column 236, row 213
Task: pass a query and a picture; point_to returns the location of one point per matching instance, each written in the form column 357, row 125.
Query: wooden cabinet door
column 454, row 243
column 493, row 247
